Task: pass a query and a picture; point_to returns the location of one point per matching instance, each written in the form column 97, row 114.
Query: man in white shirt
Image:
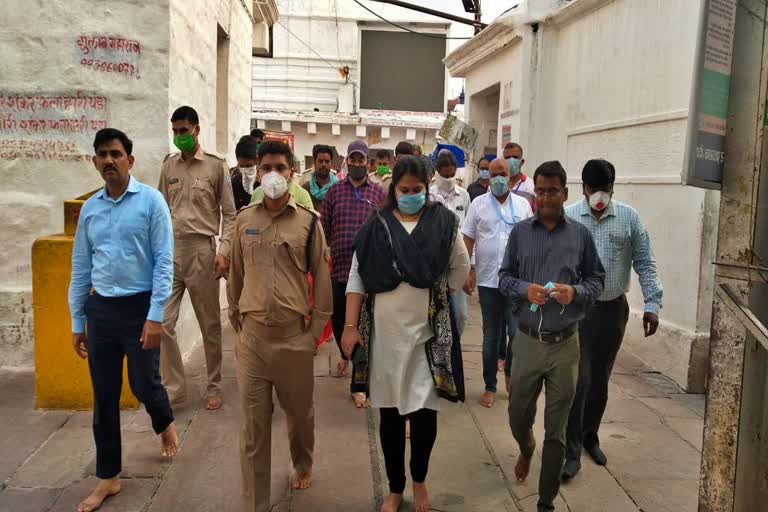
column 455, row 199
column 486, row 230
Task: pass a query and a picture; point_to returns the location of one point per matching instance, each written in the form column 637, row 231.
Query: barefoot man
column 486, row 229
column 122, row 270
column 550, row 247
column 197, row 186
column 276, row 243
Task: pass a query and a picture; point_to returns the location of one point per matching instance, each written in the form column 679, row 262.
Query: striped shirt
column 622, row 242
column 565, row 255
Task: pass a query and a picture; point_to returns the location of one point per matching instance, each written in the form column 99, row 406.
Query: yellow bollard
column 62, row 379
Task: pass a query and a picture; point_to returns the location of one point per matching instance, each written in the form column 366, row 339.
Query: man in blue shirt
column 622, row 243
column 122, row 271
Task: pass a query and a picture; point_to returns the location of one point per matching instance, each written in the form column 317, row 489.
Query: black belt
column 549, row 337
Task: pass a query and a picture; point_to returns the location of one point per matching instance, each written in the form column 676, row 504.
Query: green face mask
column 381, row 170
column 185, row 142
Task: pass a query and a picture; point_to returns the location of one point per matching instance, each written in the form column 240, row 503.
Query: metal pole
column 478, row 16
column 476, row 23
column 733, row 456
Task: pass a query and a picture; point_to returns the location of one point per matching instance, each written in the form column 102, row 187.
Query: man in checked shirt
column 345, row 207
column 622, row 243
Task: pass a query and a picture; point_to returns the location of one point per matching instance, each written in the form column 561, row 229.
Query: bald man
column 486, row 229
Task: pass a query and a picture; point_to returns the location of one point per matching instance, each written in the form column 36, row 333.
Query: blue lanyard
column 357, row 196
column 511, row 211
column 518, row 186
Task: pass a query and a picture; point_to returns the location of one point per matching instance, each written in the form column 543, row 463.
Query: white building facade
column 609, row 79
column 299, row 88
column 81, row 65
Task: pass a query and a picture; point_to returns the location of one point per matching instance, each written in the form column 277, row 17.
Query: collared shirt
column 269, row 266
column 199, row 194
column 123, row 246
column 304, row 176
column 524, row 188
column 457, row 200
column 476, row 189
column 344, row 210
column 297, row 192
column 490, row 233
column 622, row 242
column 241, row 196
column 382, row 181
column 565, row 255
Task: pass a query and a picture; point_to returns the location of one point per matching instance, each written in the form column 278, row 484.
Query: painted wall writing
column 109, row 54
column 50, row 127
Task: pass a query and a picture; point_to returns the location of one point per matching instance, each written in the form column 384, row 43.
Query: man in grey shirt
column 547, row 248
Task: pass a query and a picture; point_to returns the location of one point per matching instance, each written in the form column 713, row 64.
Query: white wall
column 296, row 78
column 501, row 74
column 304, row 141
column 193, row 53
column 40, row 55
column 614, row 83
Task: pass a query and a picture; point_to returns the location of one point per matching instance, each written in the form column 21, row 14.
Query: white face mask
column 445, row 184
column 274, row 185
column 599, row 200
column 249, row 176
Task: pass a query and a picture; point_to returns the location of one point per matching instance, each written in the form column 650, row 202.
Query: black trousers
column 339, row 311
column 600, row 336
column 392, row 434
column 114, row 328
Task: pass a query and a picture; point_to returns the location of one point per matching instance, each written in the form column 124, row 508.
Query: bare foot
column 361, row 401
column 169, row 441
column 488, row 399
column 522, row 468
column 341, row 367
column 214, row 402
column 302, row 481
column 420, row 497
column 104, row 489
column 392, row 502
column 500, row 365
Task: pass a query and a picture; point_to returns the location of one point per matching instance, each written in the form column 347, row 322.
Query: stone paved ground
column 652, row 436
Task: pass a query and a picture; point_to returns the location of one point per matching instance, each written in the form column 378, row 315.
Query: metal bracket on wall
column 744, row 314
column 741, row 272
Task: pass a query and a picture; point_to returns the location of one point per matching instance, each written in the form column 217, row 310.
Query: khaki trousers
column 556, row 366
column 283, row 359
column 193, row 257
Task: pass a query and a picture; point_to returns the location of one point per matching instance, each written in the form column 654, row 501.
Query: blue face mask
column 514, row 166
column 410, row 204
column 485, row 174
column 499, row 185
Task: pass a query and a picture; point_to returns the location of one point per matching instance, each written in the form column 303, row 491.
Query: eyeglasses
column 548, row 192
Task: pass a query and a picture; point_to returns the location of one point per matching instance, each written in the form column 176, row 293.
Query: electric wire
column 433, row 36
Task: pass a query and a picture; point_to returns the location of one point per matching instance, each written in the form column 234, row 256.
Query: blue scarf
column 318, row 192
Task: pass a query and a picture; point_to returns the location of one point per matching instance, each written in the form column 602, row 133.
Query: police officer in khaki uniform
column 276, row 244
column 198, row 190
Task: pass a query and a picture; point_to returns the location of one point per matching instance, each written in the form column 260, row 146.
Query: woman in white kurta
column 401, row 381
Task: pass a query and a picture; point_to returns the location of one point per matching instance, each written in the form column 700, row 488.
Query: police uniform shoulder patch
column 246, row 207
column 310, row 210
column 214, row 155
